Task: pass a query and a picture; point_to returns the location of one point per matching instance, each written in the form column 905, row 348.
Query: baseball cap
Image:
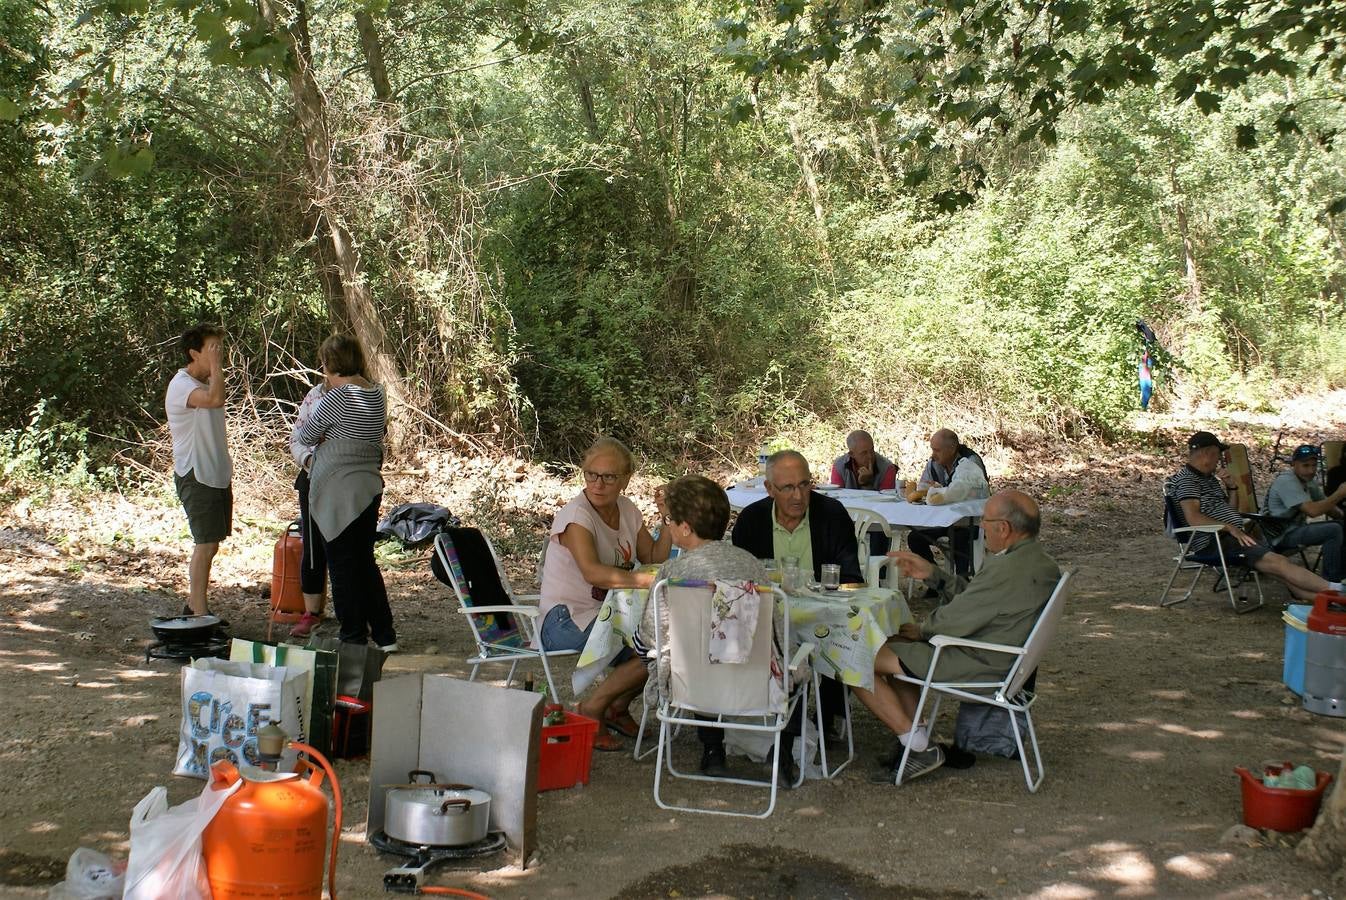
column 1204, row 439
column 1305, row 451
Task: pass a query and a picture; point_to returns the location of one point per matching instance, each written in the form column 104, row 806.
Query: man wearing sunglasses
column 793, row 520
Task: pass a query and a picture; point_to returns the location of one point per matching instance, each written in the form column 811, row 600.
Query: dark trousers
column 313, row 567
column 358, row 595
column 922, row 543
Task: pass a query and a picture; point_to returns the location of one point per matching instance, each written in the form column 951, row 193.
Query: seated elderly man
column 1000, row 605
column 795, row 521
column 861, row 468
column 1203, row 501
column 955, row 473
column 1295, row 496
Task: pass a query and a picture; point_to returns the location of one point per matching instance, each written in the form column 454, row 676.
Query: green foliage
column 49, row 447
column 556, row 225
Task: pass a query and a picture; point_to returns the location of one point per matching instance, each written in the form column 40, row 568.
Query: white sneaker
column 390, row 648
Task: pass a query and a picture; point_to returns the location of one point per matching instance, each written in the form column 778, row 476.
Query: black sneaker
column 919, row 763
column 712, row 761
column 923, row 762
column 787, row 773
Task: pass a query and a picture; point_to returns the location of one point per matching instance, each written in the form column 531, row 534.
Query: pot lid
column 437, row 794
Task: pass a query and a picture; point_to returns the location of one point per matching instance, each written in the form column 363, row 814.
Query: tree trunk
column 1191, row 275
column 373, row 51
column 810, row 180
column 353, row 307
column 586, row 98
column 876, row 147
column 1325, row 843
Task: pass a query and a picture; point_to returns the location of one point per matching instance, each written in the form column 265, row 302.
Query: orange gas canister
column 268, row 838
column 287, row 598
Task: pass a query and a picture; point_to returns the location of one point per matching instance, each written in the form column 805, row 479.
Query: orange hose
column 456, row 892
column 336, row 802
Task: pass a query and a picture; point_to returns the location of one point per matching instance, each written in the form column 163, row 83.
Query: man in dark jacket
column 794, row 521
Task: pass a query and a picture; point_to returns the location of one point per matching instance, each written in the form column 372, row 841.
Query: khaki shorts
column 210, row 510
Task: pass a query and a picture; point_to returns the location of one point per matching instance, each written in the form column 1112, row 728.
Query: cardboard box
column 467, row 733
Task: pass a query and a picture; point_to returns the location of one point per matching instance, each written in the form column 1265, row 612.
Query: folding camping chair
column 1176, row 527
column 504, row 629
column 724, row 690
column 1009, row 693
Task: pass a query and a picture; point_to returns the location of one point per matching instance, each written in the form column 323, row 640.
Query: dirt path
column 1144, row 713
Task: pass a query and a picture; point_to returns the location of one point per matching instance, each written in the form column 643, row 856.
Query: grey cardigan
column 343, row 482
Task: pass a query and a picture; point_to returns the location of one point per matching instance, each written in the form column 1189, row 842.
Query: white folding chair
column 1176, row 527
column 1007, row 693
column 723, row 690
column 872, row 566
column 526, row 647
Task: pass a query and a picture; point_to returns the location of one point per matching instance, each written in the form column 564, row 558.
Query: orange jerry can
column 287, row 597
column 268, row 839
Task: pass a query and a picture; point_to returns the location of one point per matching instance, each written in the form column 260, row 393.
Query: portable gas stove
column 410, row 876
column 186, row 651
column 187, row 637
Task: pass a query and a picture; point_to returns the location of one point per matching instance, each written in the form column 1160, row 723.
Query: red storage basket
column 1280, row 809
column 565, row 754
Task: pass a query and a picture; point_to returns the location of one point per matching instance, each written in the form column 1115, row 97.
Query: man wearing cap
column 1203, row 501
column 1294, row 497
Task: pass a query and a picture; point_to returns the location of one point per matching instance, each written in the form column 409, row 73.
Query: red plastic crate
column 565, row 754
column 350, row 727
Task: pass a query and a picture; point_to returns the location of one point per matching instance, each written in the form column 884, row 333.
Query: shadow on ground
column 754, row 870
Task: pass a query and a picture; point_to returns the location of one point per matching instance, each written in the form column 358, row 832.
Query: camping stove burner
column 180, row 651
column 410, row 876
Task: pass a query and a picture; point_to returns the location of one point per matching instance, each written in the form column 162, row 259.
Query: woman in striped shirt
column 346, row 489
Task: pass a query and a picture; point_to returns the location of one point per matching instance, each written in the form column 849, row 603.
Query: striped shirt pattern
column 348, row 412
column 1189, row 484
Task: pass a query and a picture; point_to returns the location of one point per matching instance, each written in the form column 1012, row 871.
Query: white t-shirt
column 199, row 441
column 562, row 583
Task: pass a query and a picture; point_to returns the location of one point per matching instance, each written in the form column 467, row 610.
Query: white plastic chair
column 524, row 615
column 1176, row 527
column 872, row 566
column 1007, row 693
column 722, row 690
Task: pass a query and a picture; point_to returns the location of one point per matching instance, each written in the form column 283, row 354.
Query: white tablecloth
column 894, row 511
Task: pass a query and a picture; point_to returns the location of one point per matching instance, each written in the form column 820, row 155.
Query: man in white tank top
column 202, row 470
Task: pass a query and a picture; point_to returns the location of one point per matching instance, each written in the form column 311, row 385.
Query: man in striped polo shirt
column 1203, row 501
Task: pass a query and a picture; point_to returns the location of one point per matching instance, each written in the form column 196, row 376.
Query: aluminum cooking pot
column 184, row 629
column 440, row 815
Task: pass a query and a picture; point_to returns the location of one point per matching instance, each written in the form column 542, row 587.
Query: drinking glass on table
column 773, row 574
column 831, row 573
column 793, row 580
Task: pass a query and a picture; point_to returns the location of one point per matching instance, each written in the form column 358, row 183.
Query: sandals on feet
column 607, row 743
column 622, row 723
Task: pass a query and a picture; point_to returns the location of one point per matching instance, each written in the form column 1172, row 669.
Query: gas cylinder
column 268, row 838
column 1325, row 656
column 287, row 597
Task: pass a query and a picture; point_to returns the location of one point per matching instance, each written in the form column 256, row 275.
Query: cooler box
column 1296, row 618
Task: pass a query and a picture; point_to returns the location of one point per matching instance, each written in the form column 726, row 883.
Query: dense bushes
column 580, row 235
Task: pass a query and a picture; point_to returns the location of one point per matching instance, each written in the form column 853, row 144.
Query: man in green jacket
column 999, row 605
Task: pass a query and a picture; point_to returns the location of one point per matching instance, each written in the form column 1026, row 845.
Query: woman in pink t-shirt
column 595, row 544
